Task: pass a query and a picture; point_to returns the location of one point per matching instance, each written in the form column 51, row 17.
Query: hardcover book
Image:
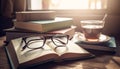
column 45, row 25
column 108, row 45
column 49, row 52
column 35, row 15
column 20, row 33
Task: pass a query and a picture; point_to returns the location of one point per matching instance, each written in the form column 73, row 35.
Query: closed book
column 45, row 25
column 19, row 33
column 49, row 52
column 35, row 15
column 108, row 46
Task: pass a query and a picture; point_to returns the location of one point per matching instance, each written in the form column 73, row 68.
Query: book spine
column 17, row 34
column 41, row 15
column 57, row 25
column 28, row 26
column 43, row 27
column 95, row 47
column 19, row 17
column 22, row 33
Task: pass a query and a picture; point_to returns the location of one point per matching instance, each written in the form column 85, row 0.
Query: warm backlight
column 70, row 4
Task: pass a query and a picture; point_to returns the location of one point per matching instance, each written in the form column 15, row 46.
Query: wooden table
column 101, row 61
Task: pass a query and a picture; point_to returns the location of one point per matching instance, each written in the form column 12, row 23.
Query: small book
column 45, row 25
column 19, row 33
column 49, row 52
column 35, row 15
column 108, row 46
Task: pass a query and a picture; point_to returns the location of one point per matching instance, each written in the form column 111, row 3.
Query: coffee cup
column 92, row 29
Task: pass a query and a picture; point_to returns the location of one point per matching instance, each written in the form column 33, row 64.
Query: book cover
column 49, row 52
column 35, row 15
column 45, row 25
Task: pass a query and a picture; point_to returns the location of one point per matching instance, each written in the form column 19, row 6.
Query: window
column 66, row 4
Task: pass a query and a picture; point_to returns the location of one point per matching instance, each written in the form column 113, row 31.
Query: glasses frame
column 45, row 37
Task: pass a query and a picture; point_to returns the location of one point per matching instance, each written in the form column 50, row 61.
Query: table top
column 101, row 61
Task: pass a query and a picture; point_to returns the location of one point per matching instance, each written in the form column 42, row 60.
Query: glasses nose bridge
column 49, row 38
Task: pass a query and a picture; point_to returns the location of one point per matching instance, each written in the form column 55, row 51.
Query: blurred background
column 77, row 9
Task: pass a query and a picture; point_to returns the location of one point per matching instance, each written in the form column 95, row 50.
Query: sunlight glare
column 71, row 4
column 36, row 4
column 92, row 6
column 98, row 6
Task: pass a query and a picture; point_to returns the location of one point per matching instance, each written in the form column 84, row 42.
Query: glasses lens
column 60, row 39
column 35, row 42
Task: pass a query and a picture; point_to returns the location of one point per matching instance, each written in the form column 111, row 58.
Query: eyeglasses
column 36, row 42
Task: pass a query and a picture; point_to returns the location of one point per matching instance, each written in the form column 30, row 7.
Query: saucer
column 103, row 38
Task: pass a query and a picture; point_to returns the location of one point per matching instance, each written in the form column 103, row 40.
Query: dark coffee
column 92, row 32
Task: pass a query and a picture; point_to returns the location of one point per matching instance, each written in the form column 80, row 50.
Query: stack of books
column 42, row 21
column 29, row 23
column 44, row 25
column 26, row 26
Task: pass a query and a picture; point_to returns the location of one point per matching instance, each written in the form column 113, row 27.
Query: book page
column 71, row 50
column 29, row 56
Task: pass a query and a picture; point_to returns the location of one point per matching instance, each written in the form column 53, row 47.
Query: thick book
column 49, row 52
column 45, row 25
column 108, row 46
column 35, row 15
column 19, row 33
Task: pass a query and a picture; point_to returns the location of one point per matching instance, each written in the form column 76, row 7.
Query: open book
column 49, row 52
